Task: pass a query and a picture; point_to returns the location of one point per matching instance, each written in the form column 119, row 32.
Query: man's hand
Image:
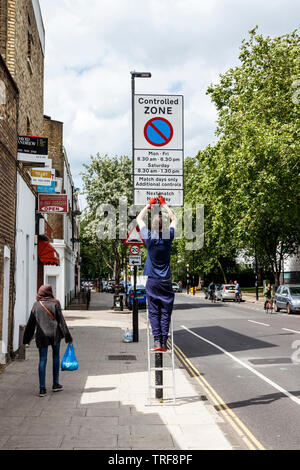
column 151, row 201
column 161, row 200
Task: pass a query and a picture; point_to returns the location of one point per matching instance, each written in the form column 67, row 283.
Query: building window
column 2, row 92
column 29, row 44
column 28, row 127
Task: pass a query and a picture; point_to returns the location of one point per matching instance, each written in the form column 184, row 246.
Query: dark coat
column 48, row 331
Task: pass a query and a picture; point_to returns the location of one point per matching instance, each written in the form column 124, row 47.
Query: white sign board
column 158, row 148
column 41, row 177
column 135, row 260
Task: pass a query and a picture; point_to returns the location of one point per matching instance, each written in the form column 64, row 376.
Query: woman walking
column 47, row 319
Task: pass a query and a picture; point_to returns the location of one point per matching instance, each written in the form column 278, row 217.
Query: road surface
column 248, row 360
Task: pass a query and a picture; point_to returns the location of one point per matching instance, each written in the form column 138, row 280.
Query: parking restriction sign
column 158, row 148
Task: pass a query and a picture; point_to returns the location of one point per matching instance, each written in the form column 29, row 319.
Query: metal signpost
column 158, row 163
column 134, row 239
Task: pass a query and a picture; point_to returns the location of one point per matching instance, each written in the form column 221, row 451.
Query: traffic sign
column 135, row 249
column 134, row 237
column 158, row 131
column 158, row 157
column 135, row 260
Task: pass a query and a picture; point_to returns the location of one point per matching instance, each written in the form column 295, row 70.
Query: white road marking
column 261, row 376
column 252, row 321
column 294, row 331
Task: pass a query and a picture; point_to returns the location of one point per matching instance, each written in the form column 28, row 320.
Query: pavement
column 104, row 403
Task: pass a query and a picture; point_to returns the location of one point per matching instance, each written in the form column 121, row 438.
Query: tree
column 105, row 180
column 249, row 180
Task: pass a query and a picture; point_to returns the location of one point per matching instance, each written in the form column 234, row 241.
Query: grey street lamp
column 135, row 312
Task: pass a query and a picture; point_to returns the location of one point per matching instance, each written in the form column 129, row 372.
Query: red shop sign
column 53, row 203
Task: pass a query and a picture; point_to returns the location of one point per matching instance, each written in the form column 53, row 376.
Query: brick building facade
column 22, row 42
column 53, row 130
column 66, row 228
column 8, row 176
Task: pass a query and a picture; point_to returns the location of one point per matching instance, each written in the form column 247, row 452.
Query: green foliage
column 249, row 181
column 105, row 180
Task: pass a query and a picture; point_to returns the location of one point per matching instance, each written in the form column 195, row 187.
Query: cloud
column 91, row 47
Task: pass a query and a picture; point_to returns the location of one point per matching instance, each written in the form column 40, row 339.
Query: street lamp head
column 140, row 74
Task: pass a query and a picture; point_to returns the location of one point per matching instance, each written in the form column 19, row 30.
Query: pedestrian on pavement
column 159, row 291
column 237, row 291
column 211, row 290
column 267, row 295
column 88, row 298
column 47, row 320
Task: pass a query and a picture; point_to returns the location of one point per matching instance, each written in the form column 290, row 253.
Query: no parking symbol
column 158, row 131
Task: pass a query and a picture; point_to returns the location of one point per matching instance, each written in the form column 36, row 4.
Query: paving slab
column 104, row 403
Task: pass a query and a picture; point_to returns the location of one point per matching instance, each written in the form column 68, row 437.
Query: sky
column 91, row 47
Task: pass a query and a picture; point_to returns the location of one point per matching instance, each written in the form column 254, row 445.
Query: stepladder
column 161, row 376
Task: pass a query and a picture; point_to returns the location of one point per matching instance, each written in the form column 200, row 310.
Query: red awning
column 47, row 254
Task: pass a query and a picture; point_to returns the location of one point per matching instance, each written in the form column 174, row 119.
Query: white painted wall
column 5, row 309
column 292, row 263
column 65, row 273
column 57, row 271
column 39, row 22
column 26, row 257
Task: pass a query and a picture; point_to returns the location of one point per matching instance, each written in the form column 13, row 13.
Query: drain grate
column 273, row 360
column 121, row 358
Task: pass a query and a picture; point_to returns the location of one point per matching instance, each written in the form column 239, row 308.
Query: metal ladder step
column 161, row 368
column 161, row 352
column 161, row 386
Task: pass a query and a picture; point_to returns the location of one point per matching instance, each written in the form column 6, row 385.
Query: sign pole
column 135, row 310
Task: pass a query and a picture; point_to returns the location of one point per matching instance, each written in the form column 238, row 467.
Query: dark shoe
column 43, row 392
column 57, row 388
column 157, row 346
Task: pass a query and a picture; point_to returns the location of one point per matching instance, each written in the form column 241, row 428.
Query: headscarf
column 45, row 293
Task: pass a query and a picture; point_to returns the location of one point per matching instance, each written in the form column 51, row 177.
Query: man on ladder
column 160, row 295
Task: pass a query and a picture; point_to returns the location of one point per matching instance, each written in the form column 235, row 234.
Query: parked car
column 218, row 291
column 175, row 287
column 141, row 296
column 226, row 292
column 110, row 286
column 288, row 298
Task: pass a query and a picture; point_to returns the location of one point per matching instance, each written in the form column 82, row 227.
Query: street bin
column 118, row 302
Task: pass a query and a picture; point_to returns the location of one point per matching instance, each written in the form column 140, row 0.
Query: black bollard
column 159, row 375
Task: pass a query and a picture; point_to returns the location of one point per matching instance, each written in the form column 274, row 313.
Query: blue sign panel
column 47, row 189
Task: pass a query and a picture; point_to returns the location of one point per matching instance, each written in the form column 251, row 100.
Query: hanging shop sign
column 53, row 203
column 32, row 149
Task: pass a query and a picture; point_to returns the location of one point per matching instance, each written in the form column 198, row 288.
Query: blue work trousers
column 43, row 362
column 160, row 298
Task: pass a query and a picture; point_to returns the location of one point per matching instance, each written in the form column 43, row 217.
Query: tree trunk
column 117, row 264
column 224, row 275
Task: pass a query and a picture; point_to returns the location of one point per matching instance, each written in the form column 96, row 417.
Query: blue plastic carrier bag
column 69, row 361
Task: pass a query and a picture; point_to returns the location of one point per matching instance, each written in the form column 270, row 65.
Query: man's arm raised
column 140, row 217
column 169, row 211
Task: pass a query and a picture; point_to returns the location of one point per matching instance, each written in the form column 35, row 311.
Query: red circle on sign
column 135, row 249
column 151, row 123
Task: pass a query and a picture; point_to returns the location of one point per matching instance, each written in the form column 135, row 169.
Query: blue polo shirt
column 159, row 253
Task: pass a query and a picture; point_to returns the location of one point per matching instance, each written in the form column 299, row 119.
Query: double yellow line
column 251, row 442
